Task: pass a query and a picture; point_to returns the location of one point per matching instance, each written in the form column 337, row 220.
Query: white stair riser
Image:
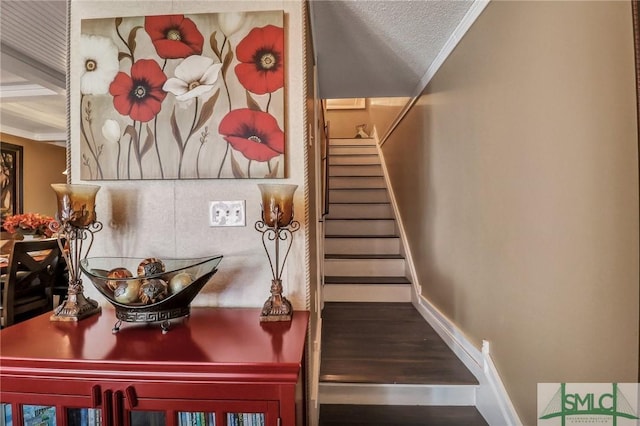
column 366, row 293
column 359, row 196
column 362, row 245
column 353, row 159
column 357, row 182
column 359, row 170
column 349, row 150
column 374, row 394
column 364, row 267
column 361, row 211
column 360, row 227
column 353, row 141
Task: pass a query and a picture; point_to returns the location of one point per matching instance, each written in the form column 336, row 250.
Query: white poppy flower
column 111, row 131
column 230, row 22
column 99, row 59
column 194, row 77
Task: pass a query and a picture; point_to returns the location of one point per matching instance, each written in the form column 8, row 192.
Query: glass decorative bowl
column 151, row 289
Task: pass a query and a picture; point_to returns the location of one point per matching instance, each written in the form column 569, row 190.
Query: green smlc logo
column 613, row 405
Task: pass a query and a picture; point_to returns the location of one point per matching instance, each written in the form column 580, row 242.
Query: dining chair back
column 31, row 274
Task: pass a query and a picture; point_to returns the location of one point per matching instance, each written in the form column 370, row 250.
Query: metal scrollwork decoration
column 75, row 228
column 277, row 227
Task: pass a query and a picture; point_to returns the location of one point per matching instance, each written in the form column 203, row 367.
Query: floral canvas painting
column 183, row 96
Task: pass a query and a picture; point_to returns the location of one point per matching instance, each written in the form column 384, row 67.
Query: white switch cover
column 227, row 213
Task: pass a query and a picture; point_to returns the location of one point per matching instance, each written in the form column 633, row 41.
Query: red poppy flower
column 174, row 36
column 261, row 56
column 255, row 134
column 139, row 96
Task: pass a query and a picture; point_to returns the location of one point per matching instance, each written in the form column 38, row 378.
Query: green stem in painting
column 184, row 147
column 129, row 153
column 138, row 156
column 84, row 133
column 118, row 161
column 203, row 139
column 224, row 80
column 155, row 144
column 224, row 158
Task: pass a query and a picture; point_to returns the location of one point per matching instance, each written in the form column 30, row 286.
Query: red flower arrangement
column 140, row 95
column 261, row 56
column 28, row 223
column 255, row 134
column 174, row 36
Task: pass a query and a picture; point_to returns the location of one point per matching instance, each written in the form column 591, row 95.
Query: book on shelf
column 6, row 418
column 38, row 415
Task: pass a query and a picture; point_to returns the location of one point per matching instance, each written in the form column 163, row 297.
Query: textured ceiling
column 37, row 27
column 368, row 48
column 33, row 61
column 364, row 48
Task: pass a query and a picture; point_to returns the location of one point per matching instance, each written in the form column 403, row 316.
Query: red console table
column 218, row 366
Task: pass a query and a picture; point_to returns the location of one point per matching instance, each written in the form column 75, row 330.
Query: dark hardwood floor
column 398, row 415
column 385, row 343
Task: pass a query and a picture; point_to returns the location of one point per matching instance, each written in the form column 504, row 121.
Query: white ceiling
column 33, row 69
column 364, row 48
column 379, row 48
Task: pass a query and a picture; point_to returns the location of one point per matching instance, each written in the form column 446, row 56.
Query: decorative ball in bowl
column 149, row 289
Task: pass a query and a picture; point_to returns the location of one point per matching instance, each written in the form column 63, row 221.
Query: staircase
column 362, row 245
column 381, row 362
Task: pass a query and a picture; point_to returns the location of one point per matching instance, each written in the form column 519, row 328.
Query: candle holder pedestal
column 75, row 228
column 277, row 225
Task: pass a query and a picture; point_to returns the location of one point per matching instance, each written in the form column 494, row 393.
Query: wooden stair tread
column 357, row 176
column 363, row 256
column 365, row 280
column 361, row 236
column 359, row 218
column 357, row 202
column 385, row 343
column 353, row 189
column 399, row 415
column 354, row 154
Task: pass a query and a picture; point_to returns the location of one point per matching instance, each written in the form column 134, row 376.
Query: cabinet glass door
column 84, row 417
column 209, row 419
column 199, row 418
column 39, row 415
column 147, row 418
column 245, row 419
column 6, row 415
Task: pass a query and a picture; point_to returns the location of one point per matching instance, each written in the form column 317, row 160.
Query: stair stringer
column 492, row 399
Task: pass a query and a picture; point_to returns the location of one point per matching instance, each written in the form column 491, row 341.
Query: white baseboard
column 492, row 400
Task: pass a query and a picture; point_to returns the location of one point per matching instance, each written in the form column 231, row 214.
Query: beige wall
column 170, row 218
column 43, row 164
column 343, row 122
column 380, row 112
column 517, row 180
column 384, row 111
